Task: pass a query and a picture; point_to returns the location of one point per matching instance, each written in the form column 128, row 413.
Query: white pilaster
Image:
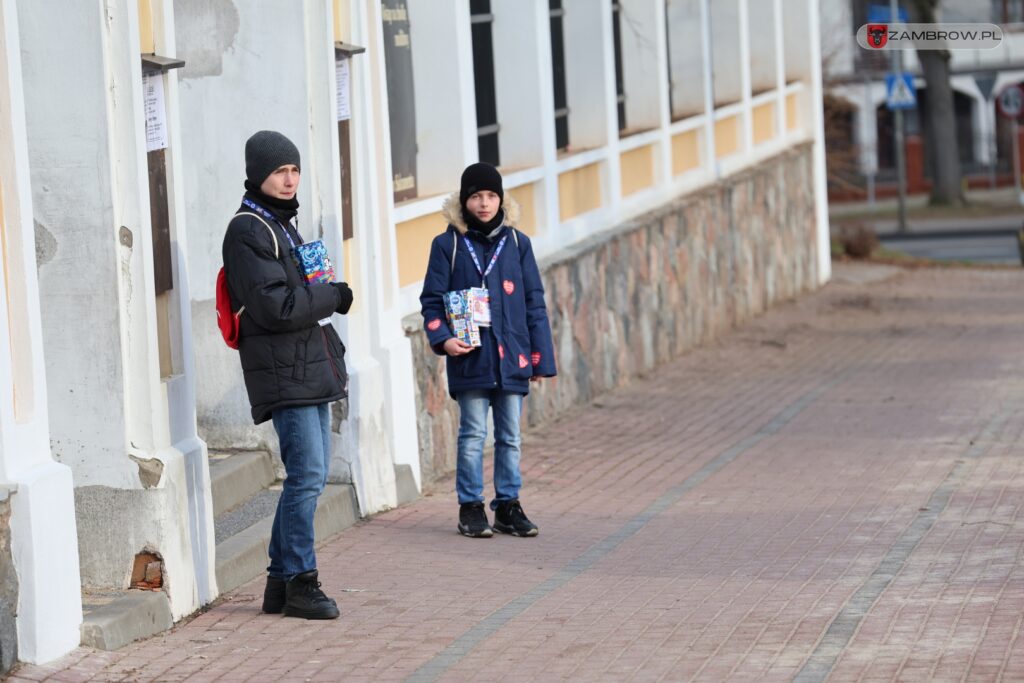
column 43, row 534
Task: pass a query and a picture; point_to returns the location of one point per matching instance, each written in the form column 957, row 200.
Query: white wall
column 76, row 237
column 43, row 542
column 225, row 97
column 111, row 413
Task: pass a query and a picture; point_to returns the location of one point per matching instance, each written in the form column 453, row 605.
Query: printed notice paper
column 341, row 75
column 156, row 112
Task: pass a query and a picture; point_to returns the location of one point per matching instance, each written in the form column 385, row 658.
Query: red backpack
column 227, row 320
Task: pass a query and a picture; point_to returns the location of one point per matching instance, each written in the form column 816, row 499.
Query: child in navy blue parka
column 481, row 247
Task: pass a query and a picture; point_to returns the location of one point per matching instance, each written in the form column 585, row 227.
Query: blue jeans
column 304, row 433
column 469, row 469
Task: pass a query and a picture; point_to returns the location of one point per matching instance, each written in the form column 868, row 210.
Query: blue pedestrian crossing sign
column 899, row 91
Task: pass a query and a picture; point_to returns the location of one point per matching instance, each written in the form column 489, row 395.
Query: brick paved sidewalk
column 831, row 492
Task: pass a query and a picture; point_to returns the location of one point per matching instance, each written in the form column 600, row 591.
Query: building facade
column 624, row 129
column 861, row 136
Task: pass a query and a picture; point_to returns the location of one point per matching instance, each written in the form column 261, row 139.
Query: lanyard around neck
column 266, row 214
column 476, row 261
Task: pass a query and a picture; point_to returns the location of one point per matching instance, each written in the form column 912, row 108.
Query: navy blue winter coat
column 517, row 345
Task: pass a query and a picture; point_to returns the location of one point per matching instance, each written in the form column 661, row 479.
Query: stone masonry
column 638, row 295
column 8, row 590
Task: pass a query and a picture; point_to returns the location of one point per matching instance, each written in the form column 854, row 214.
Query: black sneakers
column 509, row 518
column 473, row 521
column 274, row 595
column 304, row 599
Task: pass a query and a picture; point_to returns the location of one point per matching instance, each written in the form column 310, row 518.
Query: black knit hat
column 267, row 151
column 478, row 177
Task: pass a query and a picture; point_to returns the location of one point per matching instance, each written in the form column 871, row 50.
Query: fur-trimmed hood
column 451, row 209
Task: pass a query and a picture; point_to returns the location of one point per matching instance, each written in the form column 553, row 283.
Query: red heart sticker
column 434, row 325
column 501, row 352
column 535, row 358
column 522, row 361
column 508, row 286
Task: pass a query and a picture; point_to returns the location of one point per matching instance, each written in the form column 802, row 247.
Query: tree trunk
column 947, row 179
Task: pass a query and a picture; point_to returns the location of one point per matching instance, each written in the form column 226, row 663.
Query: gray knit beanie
column 265, row 152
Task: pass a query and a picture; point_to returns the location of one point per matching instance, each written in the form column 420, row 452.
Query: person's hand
column 344, row 295
column 456, row 347
column 536, row 378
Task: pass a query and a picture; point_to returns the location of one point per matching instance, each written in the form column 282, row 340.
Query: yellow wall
column 685, row 152
column 340, row 12
column 579, row 191
column 792, row 115
column 12, row 268
column 764, row 122
column 527, row 198
column 413, row 240
column 349, row 273
column 146, row 42
column 637, row 169
column 727, row 136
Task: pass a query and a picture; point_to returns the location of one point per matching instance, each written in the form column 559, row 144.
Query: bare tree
column 947, row 178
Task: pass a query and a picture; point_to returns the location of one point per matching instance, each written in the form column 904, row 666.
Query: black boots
column 274, row 596
column 509, row 518
column 473, row 521
column 304, row 599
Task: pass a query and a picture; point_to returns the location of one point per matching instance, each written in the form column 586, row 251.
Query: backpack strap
column 273, row 235
column 455, row 246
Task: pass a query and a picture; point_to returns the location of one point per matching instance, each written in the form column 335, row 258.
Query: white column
column 44, row 544
column 664, row 161
column 382, row 389
column 537, row 23
column 746, row 120
column 710, row 159
column 780, row 71
column 818, row 129
column 181, row 388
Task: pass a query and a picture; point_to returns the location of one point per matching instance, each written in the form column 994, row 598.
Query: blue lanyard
column 266, row 214
column 476, row 261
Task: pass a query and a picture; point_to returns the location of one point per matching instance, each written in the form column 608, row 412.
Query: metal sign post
column 1015, row 127
column 901, row 152
column 1011, row 105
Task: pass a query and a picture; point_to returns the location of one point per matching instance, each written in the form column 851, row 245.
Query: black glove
column 344, row 297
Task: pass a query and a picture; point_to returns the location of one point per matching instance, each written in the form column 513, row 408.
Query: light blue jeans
column 305, row 436
column 469, row 470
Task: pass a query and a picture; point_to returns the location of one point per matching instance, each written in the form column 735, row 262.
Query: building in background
column 860, row 131
column 668, row 155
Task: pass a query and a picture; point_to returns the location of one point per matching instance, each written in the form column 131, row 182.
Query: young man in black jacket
column 292, row 361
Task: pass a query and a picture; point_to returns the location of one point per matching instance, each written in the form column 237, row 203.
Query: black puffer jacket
column 288, row 359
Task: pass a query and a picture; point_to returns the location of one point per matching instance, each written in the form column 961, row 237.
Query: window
column 620, row 91
column 483, row 79
column 401, row 97
column 685, row 57
column 558, row 72
column 1008, row 11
